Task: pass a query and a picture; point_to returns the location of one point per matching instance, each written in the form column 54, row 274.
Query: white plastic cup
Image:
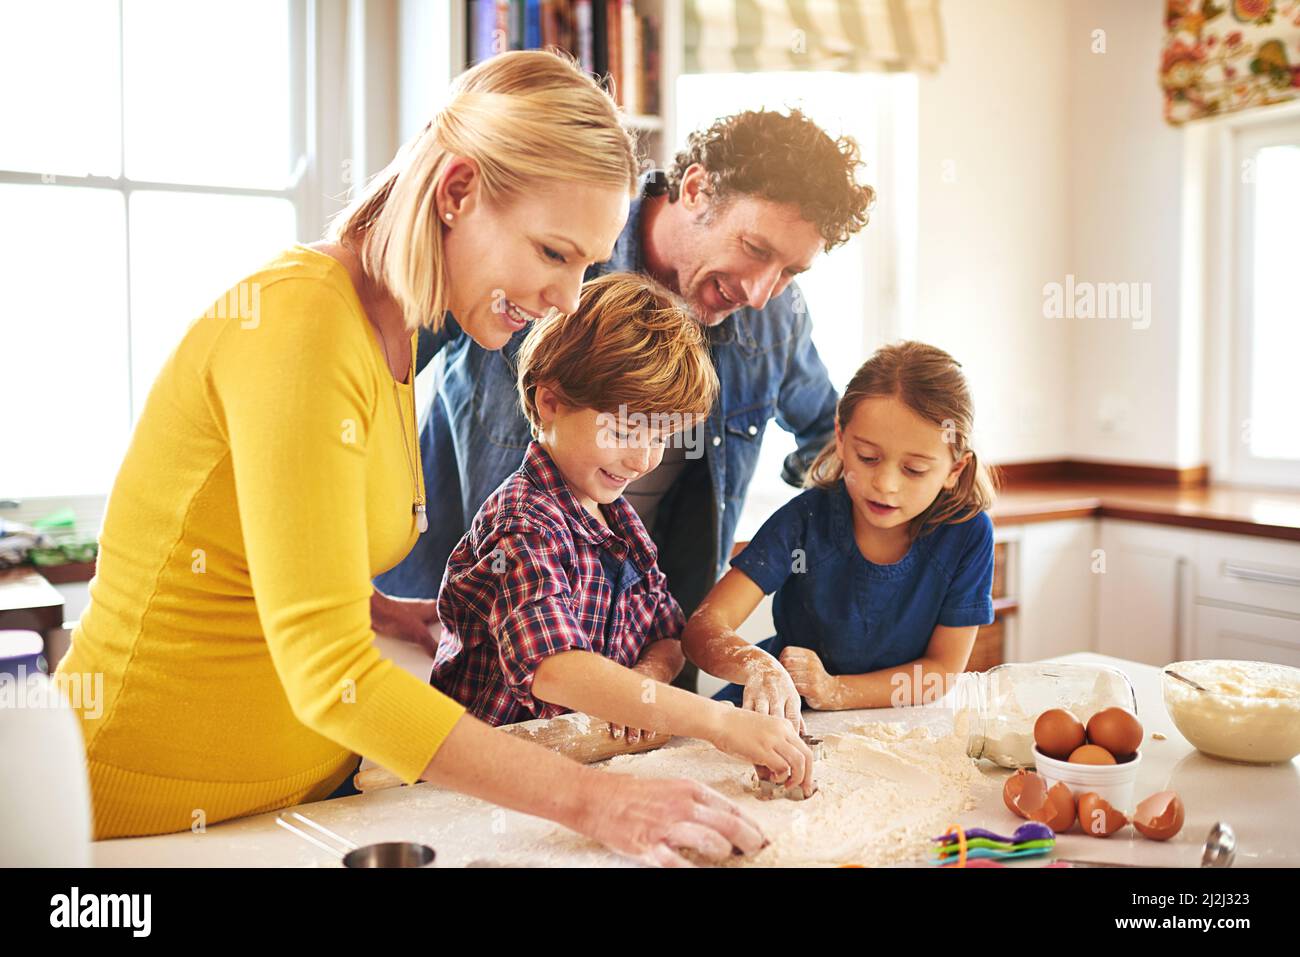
column 45, row 818
column 1114, row 783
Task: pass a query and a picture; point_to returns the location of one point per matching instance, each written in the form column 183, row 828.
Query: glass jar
column 996, row 709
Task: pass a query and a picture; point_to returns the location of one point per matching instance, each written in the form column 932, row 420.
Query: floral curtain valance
column 1229, row 55
column 744, row 36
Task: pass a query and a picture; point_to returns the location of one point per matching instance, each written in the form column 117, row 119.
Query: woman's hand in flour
column 811, row 678
column 652, row 820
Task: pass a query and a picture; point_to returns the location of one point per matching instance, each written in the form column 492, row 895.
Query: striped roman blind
column 744, row 36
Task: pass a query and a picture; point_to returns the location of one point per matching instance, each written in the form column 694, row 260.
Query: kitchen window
column 1263, row 444
column 152, row 154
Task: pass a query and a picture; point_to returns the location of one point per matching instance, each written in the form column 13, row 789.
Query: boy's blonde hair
column 930, row 383
column 632, row 343
column 527, row 118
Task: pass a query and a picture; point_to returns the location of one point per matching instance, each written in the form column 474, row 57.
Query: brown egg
column 1057, row 733
column 1091, row 754
column 1027, row 795
column 1160, row 816
column 1116, row 730
column 1097, row 817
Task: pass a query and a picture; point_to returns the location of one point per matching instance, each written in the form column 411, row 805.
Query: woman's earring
column 449, row 217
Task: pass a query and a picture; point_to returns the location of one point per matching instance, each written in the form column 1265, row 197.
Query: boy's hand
column 409, row 619
column 766, row 740
column 771, row 690
column 653, row 671
column 810, row 677
column 630, row 735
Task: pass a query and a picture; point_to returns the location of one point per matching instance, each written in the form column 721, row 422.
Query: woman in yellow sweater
column 275, row 470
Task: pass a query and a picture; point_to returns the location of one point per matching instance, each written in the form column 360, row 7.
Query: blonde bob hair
column 525, row 117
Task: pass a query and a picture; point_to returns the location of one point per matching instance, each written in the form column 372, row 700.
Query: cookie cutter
column 768, row 790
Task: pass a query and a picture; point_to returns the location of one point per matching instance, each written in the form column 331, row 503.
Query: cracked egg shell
column 1097, row 817
column 1027, row 795
column 1160, row 816
column 1011, row 791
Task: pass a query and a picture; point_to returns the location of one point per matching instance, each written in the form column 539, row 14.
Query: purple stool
column 22, row 653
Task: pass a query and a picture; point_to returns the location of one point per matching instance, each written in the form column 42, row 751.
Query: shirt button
column 717, row 440
column 753, row 430
column 724, row 506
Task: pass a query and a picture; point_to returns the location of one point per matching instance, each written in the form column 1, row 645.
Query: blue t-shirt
column 856, row 615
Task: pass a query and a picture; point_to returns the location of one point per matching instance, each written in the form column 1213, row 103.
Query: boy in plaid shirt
column 553, row 600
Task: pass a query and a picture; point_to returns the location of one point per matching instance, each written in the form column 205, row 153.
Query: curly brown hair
column 783, row 158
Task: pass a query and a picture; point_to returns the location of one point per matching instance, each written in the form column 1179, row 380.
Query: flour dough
column 882, row 792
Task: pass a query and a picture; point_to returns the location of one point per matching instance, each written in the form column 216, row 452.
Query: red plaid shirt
column 537, row 575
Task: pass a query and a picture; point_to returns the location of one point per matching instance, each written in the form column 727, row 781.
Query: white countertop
column 1259, row 802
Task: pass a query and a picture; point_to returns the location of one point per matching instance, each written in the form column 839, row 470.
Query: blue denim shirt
column 859, row 616
column 476, row 433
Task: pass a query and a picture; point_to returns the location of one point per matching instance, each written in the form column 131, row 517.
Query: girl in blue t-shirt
column 882, row 569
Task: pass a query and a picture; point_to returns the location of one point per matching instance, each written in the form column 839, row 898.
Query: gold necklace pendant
column 417, row 506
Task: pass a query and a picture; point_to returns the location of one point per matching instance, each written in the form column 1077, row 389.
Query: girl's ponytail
column 826, row 468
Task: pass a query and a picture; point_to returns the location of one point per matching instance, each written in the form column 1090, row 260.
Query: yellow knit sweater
column 269, row 478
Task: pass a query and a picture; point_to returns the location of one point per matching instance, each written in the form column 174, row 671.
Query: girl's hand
column 770, row 690
column 652, row 819
column 810, row 678
column 410, row 619
column 766, row 741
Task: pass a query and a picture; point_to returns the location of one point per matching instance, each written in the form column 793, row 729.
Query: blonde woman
column 275, row 470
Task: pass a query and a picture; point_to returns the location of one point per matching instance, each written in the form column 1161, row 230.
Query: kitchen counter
column 1269, row 513
column 1258, row 801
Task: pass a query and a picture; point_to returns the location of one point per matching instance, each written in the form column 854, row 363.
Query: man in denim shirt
column 745, row 208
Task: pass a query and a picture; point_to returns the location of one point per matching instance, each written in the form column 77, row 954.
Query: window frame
column 342, row 131
column 1244, row 136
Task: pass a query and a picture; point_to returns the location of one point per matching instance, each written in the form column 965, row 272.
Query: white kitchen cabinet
column 1174, row 593
column 1056, row 588
column 1145, row 591
column 1247, row 598
column 1235, row 633
column 1240, row 570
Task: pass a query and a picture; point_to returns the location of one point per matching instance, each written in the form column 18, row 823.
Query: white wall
column 993, row 222
column 1037, row 158
column 1129, row 399
column 1040, row 158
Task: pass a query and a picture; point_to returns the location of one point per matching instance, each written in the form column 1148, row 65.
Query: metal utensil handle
column 346, row 844
column 1186, row 681
column 1265, row 575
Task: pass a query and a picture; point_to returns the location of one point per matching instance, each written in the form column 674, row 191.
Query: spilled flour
column 883, row 791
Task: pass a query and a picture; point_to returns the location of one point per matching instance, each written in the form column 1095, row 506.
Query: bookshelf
column 650, row 110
